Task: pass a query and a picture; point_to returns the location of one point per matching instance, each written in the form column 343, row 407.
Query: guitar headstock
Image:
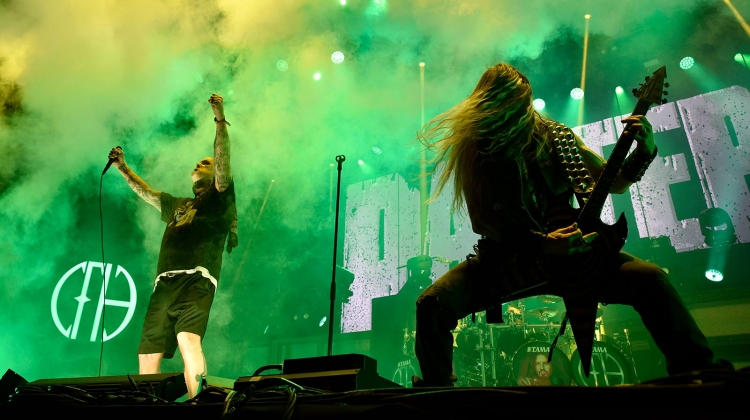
column 652, row 90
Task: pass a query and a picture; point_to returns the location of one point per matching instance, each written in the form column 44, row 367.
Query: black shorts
column 180, row 303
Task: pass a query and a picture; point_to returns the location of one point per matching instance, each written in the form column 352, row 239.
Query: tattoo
column 140, row 187
column 222, row 168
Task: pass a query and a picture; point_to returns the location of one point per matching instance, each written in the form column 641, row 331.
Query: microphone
column 109, row 163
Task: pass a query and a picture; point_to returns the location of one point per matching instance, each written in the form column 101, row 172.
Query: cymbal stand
column 481, row 359
column 630, row 354
column 493, row 356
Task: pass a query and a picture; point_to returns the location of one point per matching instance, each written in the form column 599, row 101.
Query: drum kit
column 515, row 353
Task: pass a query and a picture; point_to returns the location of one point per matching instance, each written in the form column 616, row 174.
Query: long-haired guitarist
column 508, row 167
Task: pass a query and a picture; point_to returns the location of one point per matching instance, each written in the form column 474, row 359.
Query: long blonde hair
column 496, row 120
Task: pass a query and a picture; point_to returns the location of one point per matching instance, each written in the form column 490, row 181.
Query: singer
column 190, row 256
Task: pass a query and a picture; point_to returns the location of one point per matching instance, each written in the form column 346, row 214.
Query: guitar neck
column 592, row 210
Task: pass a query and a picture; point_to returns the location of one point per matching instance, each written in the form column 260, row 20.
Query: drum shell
column 608, row 367
column 531, row 368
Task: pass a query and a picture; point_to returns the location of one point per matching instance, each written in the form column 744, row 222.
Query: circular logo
column 86, row 268
column 608, row 367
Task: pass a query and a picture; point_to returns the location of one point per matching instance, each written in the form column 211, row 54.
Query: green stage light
column 743, row 59
column 687, row 63
column 538, row 104
column 337, row 57
column 619, row 90
column 317, row 76
column 342, row 2
column 282, row 65
column 714, row 275
column 361, row 162
column 576, row 94
column 377, row 8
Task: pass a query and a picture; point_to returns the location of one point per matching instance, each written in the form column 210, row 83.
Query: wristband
column 222, row 121
column 636, row 164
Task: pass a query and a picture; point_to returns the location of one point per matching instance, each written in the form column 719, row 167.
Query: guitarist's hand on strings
column 568, row 240
column 642, row 133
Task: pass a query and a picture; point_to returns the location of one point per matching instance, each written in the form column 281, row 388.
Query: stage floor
column 699, row 392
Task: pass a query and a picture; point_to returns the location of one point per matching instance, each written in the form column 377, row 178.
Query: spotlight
column 576, row 94
column 587, row 16
column 342, row 2
column 316, row 76
column 742, row 58
column 361, row 162
column 199, row 78
column 282, row 65
column 714, row 275
column 538, row 104
column 377, row 8
column 377, row 150
column 619, row 90
column 717, row 227
column 337, row 57
column 687, row 63
column 421, row 64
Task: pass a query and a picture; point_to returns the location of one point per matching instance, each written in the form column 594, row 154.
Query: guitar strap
column 578, row 179
column 565, row 157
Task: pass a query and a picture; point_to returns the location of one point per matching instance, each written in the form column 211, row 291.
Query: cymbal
column 542, row 312
column 549, row 298
column 599, row 313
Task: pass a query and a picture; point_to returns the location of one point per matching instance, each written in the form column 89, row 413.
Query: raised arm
column 222, row 166
column 138, row 185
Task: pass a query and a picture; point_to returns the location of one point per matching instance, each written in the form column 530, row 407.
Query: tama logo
column 537, row 349
column 404, row 363
column 600, row 350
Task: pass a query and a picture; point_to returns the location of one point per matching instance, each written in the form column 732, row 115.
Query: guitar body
column 582, row 269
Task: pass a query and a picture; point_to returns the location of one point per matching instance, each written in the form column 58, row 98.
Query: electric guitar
column 578, row 273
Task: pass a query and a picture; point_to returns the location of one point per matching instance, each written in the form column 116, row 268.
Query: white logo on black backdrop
column 86, row 268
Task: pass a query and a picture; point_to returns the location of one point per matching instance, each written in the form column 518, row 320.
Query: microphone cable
column 104, row 265
column 104, row 276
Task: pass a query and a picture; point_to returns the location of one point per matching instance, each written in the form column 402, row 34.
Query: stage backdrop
column 703, row 163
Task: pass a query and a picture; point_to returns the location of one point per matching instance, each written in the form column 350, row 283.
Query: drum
column 530, row 366
column 468, row 341
column 608, row 367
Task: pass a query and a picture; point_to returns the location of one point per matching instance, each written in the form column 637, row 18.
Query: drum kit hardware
column 515, row 352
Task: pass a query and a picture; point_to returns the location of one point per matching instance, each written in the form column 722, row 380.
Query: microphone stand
column 339, row 159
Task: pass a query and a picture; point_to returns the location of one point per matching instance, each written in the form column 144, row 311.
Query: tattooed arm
column 138, row 185
column 222, row 167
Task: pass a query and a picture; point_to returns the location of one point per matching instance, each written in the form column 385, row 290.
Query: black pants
column 473, row 287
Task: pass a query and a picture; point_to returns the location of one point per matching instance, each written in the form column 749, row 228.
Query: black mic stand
column 365, row 370
column 340, row 160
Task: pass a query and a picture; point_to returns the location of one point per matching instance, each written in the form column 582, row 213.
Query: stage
column 719, row 393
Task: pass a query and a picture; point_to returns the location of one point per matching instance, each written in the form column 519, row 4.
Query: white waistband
column 203, row 270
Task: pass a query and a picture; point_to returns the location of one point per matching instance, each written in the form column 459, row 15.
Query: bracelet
column 222, row 121
column 635, row 165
